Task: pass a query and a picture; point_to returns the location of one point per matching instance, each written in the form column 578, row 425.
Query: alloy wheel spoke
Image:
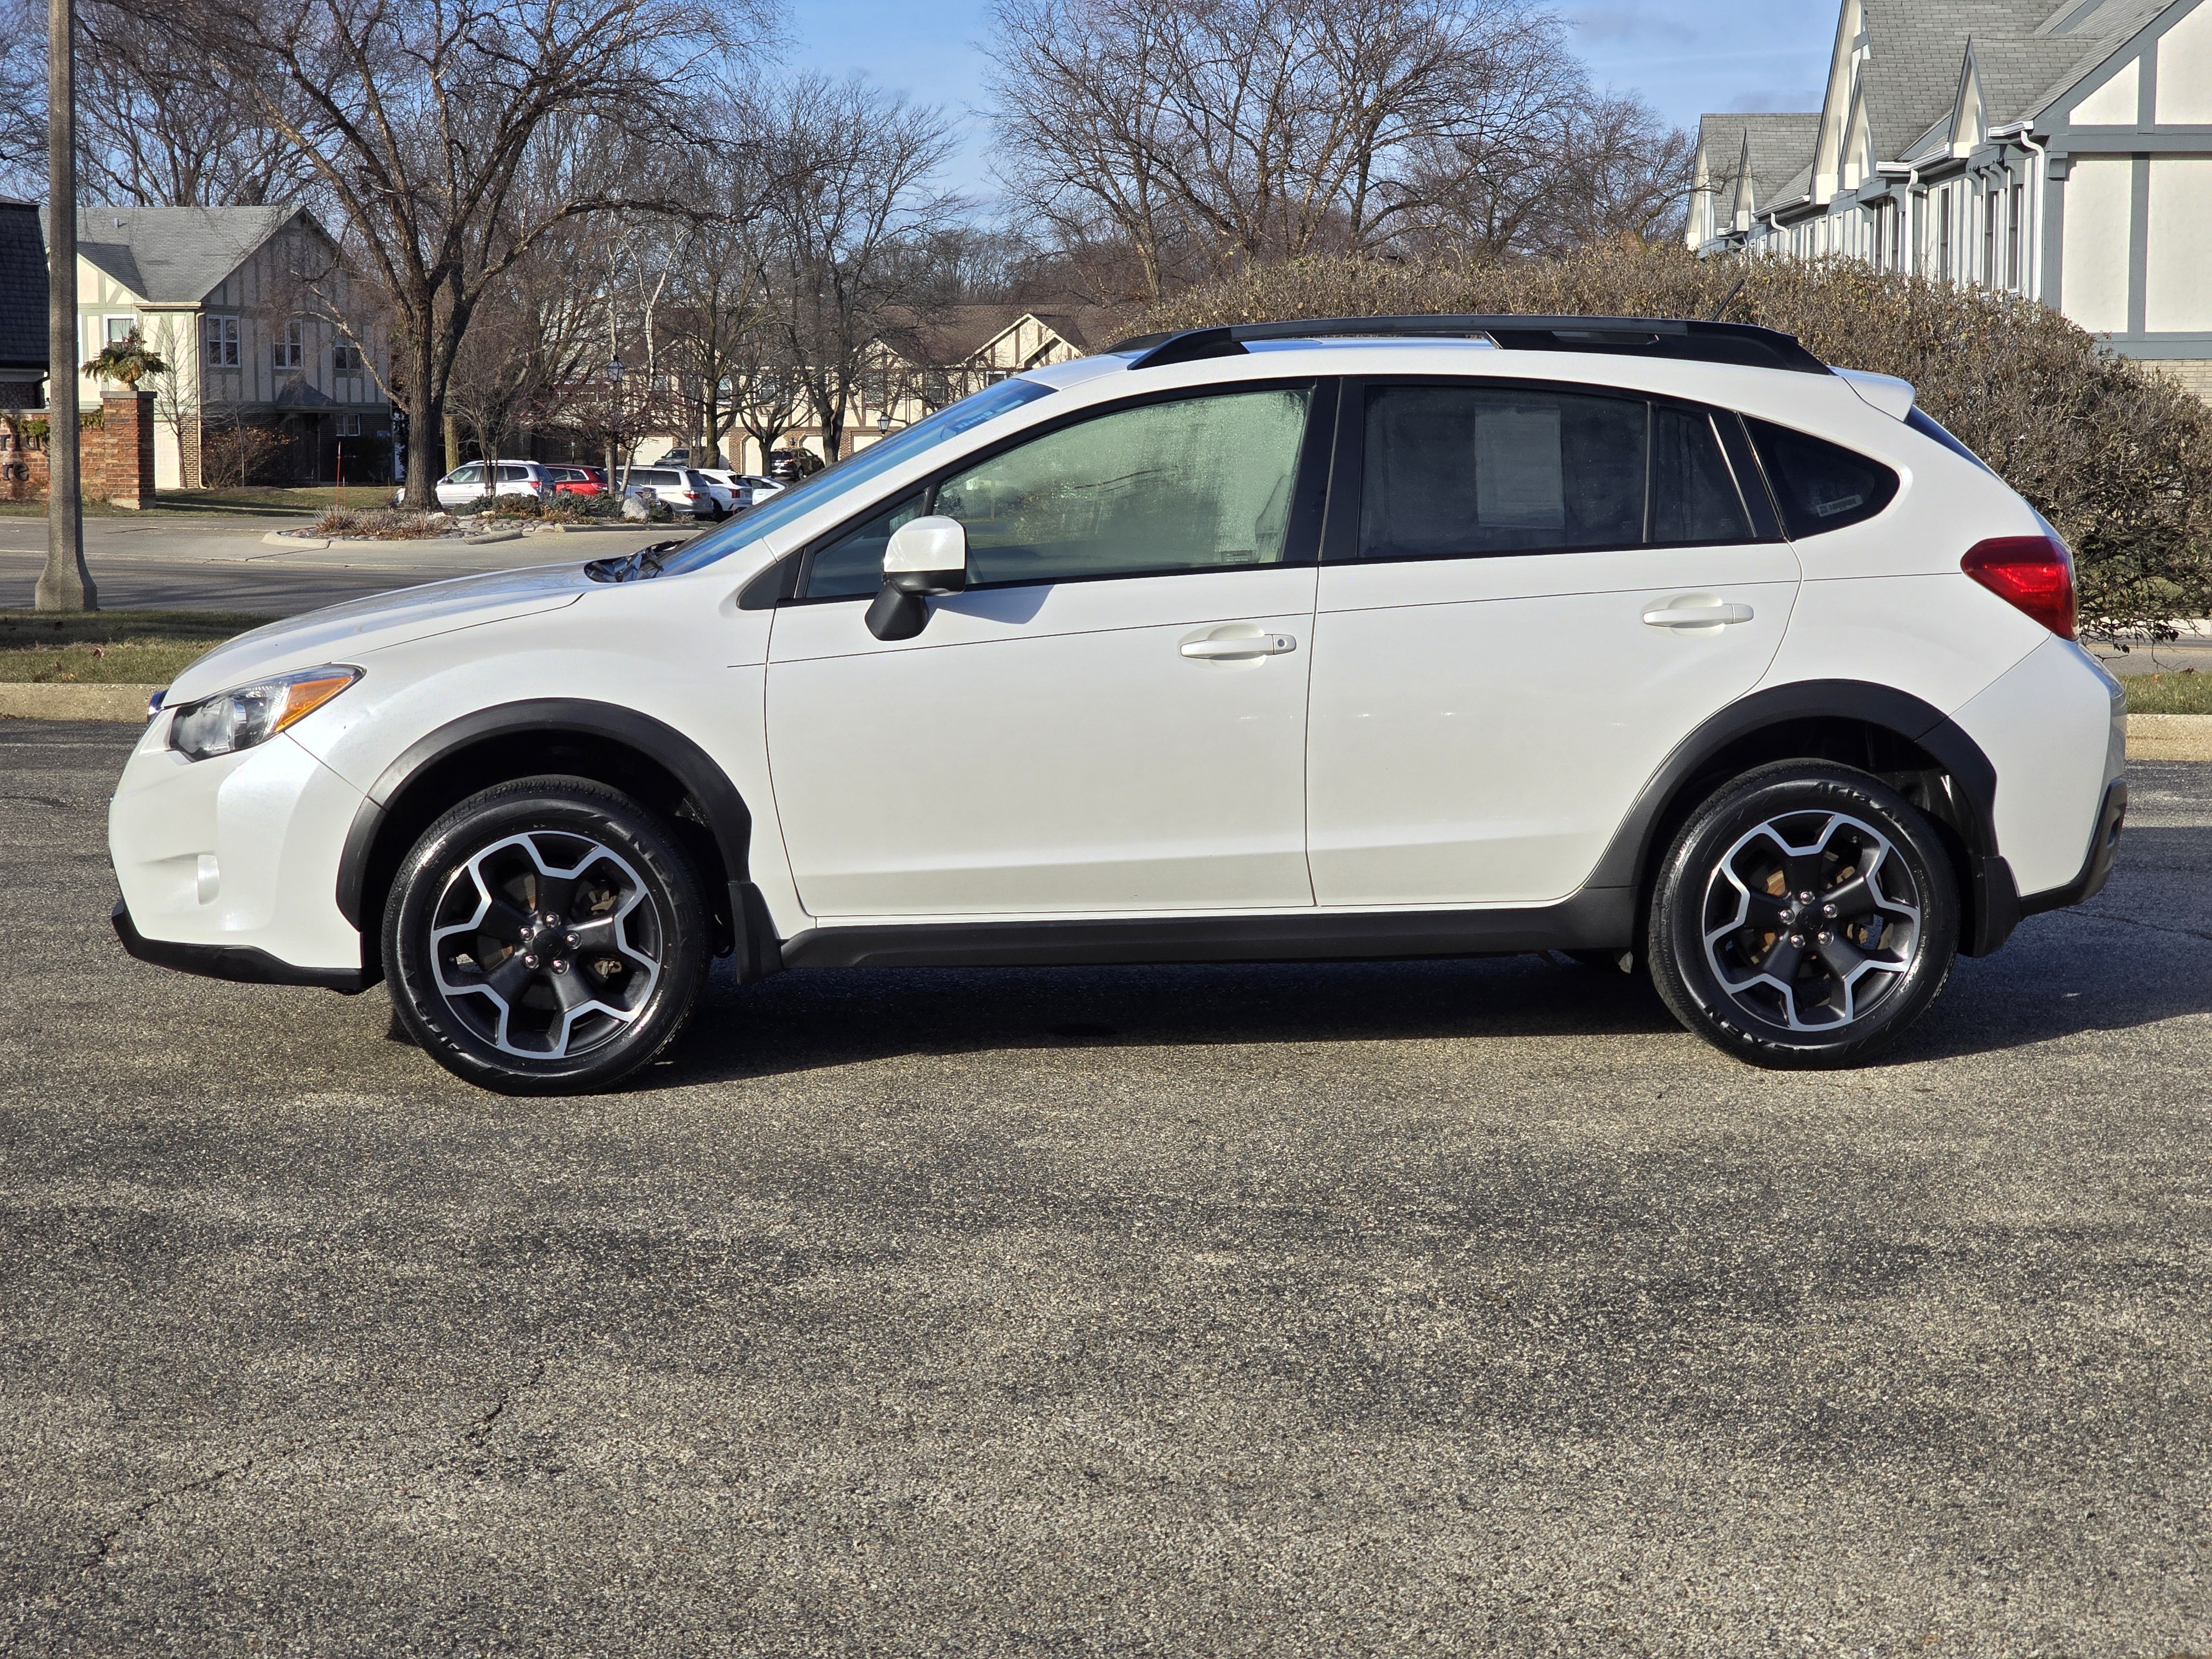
column 502, row 921
column 572, row 990
column 510, row 979
column 1782, row 961
column 1856, row 898
column 1843, row 957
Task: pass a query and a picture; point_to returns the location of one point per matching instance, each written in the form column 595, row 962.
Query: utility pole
column 66, row 585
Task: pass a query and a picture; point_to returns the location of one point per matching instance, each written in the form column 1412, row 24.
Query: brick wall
column 115, row 457
column 2196, row 376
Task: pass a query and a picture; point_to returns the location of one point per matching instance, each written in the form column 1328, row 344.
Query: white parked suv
column 468, row 485
column 1650, row 641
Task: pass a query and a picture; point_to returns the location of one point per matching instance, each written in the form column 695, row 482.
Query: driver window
column 1196, row 483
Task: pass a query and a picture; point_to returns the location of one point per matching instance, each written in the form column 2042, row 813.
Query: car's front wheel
column 546, row 936
column 1806, row 915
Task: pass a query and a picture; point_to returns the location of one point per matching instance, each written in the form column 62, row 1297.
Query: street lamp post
column 615, row 427
column 65, row 584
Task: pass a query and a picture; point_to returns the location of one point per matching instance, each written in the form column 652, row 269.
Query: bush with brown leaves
column 2118, row 456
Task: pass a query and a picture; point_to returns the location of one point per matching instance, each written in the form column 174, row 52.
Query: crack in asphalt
column 37, row 800
column 2155, row 928
column 103, row 1546
column 477, row 1434
column 480, row 1432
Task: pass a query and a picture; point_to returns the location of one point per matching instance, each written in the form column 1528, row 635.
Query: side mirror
column 926, row 556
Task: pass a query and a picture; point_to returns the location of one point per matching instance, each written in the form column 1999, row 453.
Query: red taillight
column 2033, row 573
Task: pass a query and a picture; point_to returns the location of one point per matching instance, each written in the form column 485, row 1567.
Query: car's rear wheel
column 546, row 936
column 1806, row 915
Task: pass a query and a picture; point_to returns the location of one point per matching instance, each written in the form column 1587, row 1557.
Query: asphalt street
column 1462, row 1308
column 183, row 561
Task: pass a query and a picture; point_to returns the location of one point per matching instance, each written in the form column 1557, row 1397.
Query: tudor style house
column 2059, row 149
column 270, row 379
column 958, row 351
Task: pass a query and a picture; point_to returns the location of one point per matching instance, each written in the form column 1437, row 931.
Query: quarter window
column 1820, row 486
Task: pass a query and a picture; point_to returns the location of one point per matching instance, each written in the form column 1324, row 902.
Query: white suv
column 1650, row 641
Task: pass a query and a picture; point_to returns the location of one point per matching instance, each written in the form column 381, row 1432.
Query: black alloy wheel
column 546, row 936
column 1805, row 916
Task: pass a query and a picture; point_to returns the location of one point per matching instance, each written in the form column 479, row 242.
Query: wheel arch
column 1907, row 742
column 642, row 757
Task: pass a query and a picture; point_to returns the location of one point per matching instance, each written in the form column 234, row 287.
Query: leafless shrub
column 2118, row 456
column 380, row 524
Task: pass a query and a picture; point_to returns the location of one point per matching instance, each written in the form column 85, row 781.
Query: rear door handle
column 1230, row 648
column 1695, row 614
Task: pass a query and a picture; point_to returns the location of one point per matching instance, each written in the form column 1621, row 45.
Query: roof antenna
column 1730, row 299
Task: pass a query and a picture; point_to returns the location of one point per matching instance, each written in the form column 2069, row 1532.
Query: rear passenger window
column 1693, row 495
column 1820, row 486
column 1467, row 470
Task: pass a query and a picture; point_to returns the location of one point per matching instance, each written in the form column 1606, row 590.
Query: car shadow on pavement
column 2138, row 954
column 833, row 1016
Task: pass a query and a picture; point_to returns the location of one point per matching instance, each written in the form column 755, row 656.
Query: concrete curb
column 126, row 704
column 2170, row 736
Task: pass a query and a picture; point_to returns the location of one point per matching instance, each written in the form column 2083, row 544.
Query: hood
column 345, row 633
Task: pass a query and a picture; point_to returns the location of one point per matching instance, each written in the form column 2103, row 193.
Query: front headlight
column 238, row 719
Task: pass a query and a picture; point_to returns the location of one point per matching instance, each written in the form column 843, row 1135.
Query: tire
column 568, row 1006
column 1845, row 908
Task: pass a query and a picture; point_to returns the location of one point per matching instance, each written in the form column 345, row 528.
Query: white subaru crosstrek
column 1651, row 641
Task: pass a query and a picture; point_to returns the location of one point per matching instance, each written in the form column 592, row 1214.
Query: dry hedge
column 2115, row 454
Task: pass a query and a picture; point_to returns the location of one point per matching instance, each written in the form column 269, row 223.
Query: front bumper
column 244, row 965
column 229, row 866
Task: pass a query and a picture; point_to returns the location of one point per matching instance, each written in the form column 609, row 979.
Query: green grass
column 2187, row 692
column 257, row 503
column 112, row 647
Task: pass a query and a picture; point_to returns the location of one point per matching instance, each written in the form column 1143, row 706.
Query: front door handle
column 1698, row 613
column 1231, row 648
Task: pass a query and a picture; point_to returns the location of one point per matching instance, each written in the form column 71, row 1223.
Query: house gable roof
column 177, row 256
column 1768, row 151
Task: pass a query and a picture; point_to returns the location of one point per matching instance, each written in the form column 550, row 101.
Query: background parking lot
column 1444, row 1308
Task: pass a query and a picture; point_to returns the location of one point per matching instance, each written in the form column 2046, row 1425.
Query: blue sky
column 1685, row 56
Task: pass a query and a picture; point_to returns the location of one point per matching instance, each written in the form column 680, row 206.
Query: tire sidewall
column 1687, row 981
column 567, row 805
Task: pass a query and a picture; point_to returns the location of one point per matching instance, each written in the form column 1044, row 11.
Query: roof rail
column 1686, row 341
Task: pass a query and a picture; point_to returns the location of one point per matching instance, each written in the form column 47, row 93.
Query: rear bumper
column 2097, row 868
column 243, row 965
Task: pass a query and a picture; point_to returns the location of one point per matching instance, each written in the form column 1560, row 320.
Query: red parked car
column 577, row 480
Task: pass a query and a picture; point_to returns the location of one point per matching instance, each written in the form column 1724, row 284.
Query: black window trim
column 1341, row 536
column 1302, row 536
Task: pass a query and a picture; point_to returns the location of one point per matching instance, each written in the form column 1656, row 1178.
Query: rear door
column 1530, row 595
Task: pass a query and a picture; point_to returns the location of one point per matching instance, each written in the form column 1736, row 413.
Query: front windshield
column 855, row 470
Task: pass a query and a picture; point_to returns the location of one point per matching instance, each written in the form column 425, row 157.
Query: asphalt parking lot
column 1442, row 1309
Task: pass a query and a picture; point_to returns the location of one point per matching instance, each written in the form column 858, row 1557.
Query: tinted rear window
column 1467, row 470
column 1820, row 486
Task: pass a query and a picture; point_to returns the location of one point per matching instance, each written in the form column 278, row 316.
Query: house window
column 290, row 348
column 345, row 360
column 119, row 329
column 349, row 426
column 1944, row 234
column 222, row 343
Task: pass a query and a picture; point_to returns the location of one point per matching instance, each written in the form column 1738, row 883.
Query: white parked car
column 680, row 489
column 1650, row 641
column 739, row 490
column 470, row 484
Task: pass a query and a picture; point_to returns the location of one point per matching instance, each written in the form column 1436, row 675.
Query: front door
column 1111, row 719
column 1548, row 590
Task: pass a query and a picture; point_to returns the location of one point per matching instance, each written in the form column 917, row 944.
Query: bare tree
column 1200, row 134
column 850, row 197
column 417, row 117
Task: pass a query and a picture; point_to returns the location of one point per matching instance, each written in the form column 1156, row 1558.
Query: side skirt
column 1595, row 919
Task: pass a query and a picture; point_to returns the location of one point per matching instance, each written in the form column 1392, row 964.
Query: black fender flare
column 1992, row 898
column 728, row 818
